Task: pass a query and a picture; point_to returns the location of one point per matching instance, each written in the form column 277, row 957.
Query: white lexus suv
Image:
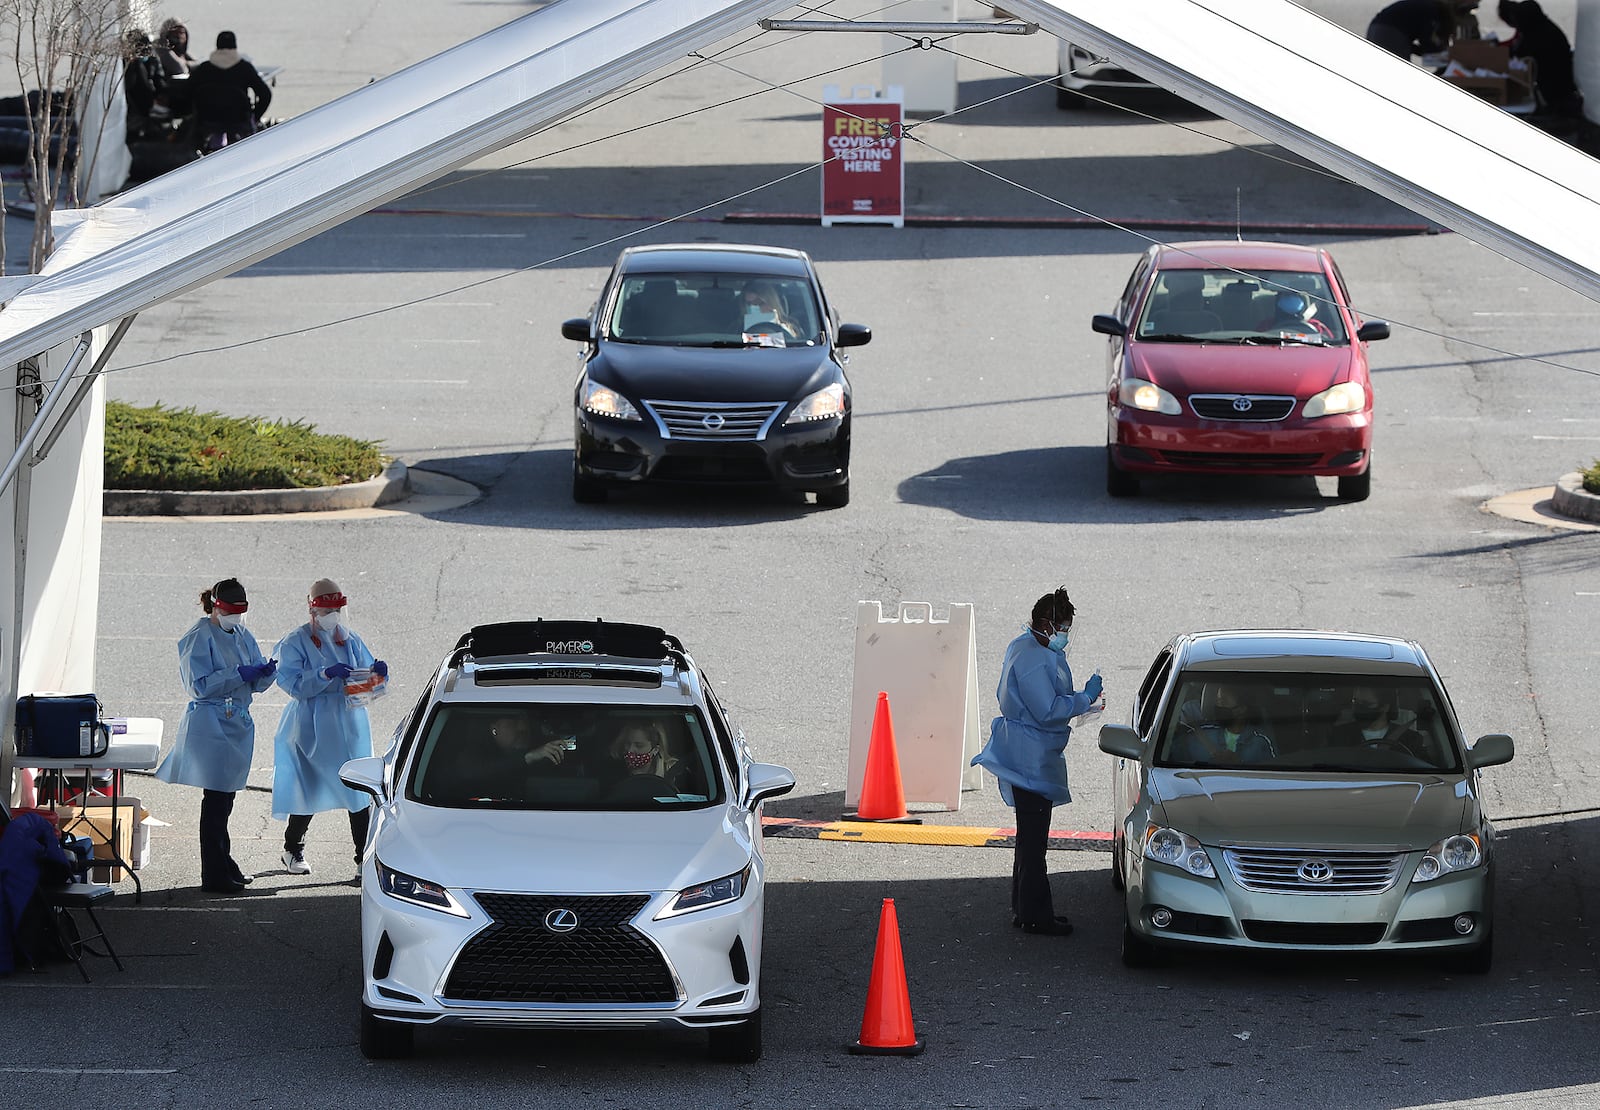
column 566, row 834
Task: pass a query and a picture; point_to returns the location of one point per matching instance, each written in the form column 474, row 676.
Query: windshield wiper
column 1279, row 340
column 1175, row 337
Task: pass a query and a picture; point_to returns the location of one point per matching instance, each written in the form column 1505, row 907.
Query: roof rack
column 568, row 639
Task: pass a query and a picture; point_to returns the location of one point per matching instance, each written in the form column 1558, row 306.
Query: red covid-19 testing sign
column 863, row 175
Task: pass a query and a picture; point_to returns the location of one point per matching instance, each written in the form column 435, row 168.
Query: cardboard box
column 1511, row 86
column 95, row 823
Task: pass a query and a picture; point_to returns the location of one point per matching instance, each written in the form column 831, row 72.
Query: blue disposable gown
column 318, row 732
column 213, row 748
column 1028, row 741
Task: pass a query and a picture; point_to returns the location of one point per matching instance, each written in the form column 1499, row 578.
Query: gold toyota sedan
column 1302, row 791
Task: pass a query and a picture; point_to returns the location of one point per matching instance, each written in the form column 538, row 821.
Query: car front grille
column 1313, row 932
column 1301, row 871
column 1240, row 406
column 714, row 420
column 603, row 959
column 1201, row 460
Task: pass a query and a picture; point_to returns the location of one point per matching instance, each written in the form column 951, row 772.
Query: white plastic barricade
column 929, row 669
column 928, row 76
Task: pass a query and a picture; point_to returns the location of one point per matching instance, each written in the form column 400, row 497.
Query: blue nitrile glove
column 380, row 668
column 248, row 673
column 337, row 670
column 270, row 667
column 1092, row 687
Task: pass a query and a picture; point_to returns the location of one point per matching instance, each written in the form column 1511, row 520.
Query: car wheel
column 385, row 1040
column 587, row 491
column 1119, row 881
column 836, row 498
column 1477, row 961
column 1357, row 486
column 1067, row 100
column 1119, row 483
column 1136, row 951
column 737, row 1044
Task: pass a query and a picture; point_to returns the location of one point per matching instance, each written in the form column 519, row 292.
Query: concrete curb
column 1571, row 499
column 393, row 484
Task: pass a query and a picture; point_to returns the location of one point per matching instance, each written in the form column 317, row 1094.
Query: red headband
column 229, row 607
column 329, row 601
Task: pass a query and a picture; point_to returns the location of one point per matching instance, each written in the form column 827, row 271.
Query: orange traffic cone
column 882, row 796
column 886, row 1028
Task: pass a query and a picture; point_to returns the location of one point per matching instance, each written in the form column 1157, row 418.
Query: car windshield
column 1287, row 307
column 565, row 757
column 715, row 310
column 1297, row 722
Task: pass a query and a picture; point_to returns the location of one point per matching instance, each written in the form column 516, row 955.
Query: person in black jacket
column 1538, row 37
column 145, row 86
column 1409, row 27
column 229, row 97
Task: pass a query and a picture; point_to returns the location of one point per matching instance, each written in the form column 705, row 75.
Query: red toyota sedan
column 1238, row 358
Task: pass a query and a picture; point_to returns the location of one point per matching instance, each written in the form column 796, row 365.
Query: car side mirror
column 1373, row 330
column 1491, row 750
column 766, row 780
column 366, row 775
column 854, row 335
column 1108, row 325
column 578, row 329
column 1121, row 740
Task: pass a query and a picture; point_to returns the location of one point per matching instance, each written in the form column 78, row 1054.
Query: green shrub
column 1591, row 477
column 181, row 449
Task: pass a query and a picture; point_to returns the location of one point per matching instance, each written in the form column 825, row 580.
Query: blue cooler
column 61, row 726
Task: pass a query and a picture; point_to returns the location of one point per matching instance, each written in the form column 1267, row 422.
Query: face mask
column 754, row 315
column 637, row 761
column 1058, row 641
column 329, row 622
column 229, row 621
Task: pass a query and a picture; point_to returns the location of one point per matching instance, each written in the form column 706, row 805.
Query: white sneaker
column 295, row 862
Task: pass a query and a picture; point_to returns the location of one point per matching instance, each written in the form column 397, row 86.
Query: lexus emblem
column 712, row 421
column 564, row 920
column 1316, row 870
column 1242, row 404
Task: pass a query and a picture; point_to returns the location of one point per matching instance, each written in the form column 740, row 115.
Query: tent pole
column 85, row 384
column 57, row 391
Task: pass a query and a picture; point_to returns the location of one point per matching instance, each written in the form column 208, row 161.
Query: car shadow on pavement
column 1064, row 485
column 533, row 489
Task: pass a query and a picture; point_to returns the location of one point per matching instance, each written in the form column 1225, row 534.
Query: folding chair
column 80, row 896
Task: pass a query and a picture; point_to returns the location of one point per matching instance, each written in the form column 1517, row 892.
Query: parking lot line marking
column 958, row 836
column 89, row 1071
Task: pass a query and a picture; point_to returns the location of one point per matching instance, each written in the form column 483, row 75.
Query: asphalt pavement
column 977, row 479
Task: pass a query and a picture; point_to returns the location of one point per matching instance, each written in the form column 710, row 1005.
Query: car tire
column 1356, row 487
column 737, row 1044
column 836, row 498
column 587, row 491
column 1138, row 952
column 385, row 1040
column 1119, row 483
column 1067, row 100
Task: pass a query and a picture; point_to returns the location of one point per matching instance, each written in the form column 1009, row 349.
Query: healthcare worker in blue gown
column 319, row 731
column 223, row 670
column 1027, row 750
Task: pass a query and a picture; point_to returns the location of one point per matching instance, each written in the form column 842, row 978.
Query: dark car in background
column 713, row 364
column 1238, row 358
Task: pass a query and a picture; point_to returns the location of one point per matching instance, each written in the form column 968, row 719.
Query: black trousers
column 216, row 850
column 1030, row 880
column 294, row 837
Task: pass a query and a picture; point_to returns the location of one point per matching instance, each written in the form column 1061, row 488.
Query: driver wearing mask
column 1373, row 724
column 763, row 308
column 1294, row 311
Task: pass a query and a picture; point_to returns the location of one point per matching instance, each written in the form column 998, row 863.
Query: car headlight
column 1453, row 853
column 718, row 892
column 1140, row 394
column 602, row 400
column 825, row 402
column 419, row 892
column 1342, row 398
column 1177, row 849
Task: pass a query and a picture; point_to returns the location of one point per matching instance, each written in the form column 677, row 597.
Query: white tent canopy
column 1268, row 65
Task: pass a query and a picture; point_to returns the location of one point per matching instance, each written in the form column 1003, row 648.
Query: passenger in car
column 1374, row 723
column 1235, row 734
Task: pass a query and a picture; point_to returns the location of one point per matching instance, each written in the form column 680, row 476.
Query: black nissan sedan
column 713, row 364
